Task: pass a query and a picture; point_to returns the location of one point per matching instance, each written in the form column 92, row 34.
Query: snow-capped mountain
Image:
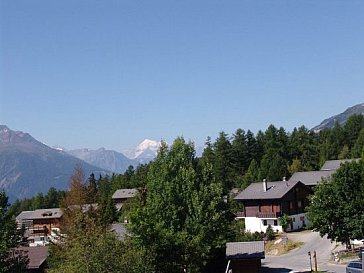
column 146, row 151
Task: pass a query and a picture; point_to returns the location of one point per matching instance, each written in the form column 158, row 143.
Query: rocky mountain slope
column 28, row 166
column 340, row 118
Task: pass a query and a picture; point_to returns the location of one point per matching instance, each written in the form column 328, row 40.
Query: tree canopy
column 336, row 208
column 182, row 222
column 10, row 238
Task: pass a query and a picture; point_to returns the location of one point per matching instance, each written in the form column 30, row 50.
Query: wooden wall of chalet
column 245, row 266
column 294, row 202
column 39, row 224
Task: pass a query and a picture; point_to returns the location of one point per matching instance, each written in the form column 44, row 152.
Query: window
column 275, row 223
column 265, row 223
column 299, row 204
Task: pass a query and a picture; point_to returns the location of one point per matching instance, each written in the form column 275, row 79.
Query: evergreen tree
column 182, row 223
column 359, row 145
column 223, row 161
column 92, row 190
column 352, row 128
column 239, row 152
column 10, row 238
column 252, row 174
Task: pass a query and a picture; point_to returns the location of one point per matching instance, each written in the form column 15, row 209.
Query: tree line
column 181, row 219
column 240, row 159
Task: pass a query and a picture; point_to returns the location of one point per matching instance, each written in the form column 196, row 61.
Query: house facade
column 41, row 225
column 265, row 202
column 123, row 196
column 244, row 257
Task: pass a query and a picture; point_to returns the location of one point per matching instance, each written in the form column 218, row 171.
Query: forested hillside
column 244, row 157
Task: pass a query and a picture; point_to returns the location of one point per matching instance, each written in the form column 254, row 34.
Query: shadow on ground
column 283, row 270
column 275, row 270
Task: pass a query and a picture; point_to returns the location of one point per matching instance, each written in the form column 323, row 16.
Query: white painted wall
column 253, row 224
column 298, row 221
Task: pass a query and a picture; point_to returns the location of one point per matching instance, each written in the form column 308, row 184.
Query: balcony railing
column 266, row 215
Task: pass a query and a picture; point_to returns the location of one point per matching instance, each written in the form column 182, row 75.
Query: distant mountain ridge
column 28, row 166
column 340, row 118
column 106, row 159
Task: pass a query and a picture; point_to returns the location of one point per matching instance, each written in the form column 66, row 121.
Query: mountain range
column 28, row 166
column 115, row 161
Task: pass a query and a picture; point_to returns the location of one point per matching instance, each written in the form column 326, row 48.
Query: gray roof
column 23, row 215
column 245, row 250
column 36, row 255
column 120, row 231
column 41, row 214
column 124, row 193
column 335, row 164
column 311, row 178
column 275, row 190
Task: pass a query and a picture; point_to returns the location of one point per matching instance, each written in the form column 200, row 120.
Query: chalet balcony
column 264, row 215
column 268, row 215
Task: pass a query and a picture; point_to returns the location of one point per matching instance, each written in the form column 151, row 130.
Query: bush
column 269, row 233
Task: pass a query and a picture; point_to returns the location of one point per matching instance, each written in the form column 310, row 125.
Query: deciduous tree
column 337, row 205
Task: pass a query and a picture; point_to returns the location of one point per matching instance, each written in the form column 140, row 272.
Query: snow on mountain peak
column 147, row 144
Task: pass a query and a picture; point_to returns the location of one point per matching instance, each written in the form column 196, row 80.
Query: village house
column 312, row 178
column 41, row 225
column 265, row 202
column 244, row 257
column 123, row 196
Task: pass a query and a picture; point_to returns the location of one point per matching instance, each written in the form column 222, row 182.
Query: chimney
column 284, row 178
column 265, row 187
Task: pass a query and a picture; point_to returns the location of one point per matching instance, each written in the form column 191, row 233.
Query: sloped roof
column 124, row 193
column 41, row 214
column 311, row 178
column 275, row 190
column 24, row 215
column 245, row 250
column 36, row 255
column 335, row 164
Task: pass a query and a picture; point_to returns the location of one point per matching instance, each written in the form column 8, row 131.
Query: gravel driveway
column 298, row 260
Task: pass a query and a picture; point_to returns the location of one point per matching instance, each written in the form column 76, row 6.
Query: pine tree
column 183, row 221
column 10, row 238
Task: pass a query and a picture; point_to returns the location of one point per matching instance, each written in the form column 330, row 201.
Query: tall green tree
column 10, row 238
column 336, row 207
column 223, row 165
column 352, row 129
column 359, row 145
column 89, row 246
column 239, row 153
column 252, row 174
column 182, row 222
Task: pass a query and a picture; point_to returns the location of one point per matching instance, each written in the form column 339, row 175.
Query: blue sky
column 112, row 73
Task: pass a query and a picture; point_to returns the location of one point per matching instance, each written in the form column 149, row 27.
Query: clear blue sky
column 112, row 73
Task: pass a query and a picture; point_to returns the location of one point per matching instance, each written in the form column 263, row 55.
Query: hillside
column 340, row 118
column 28, row 166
